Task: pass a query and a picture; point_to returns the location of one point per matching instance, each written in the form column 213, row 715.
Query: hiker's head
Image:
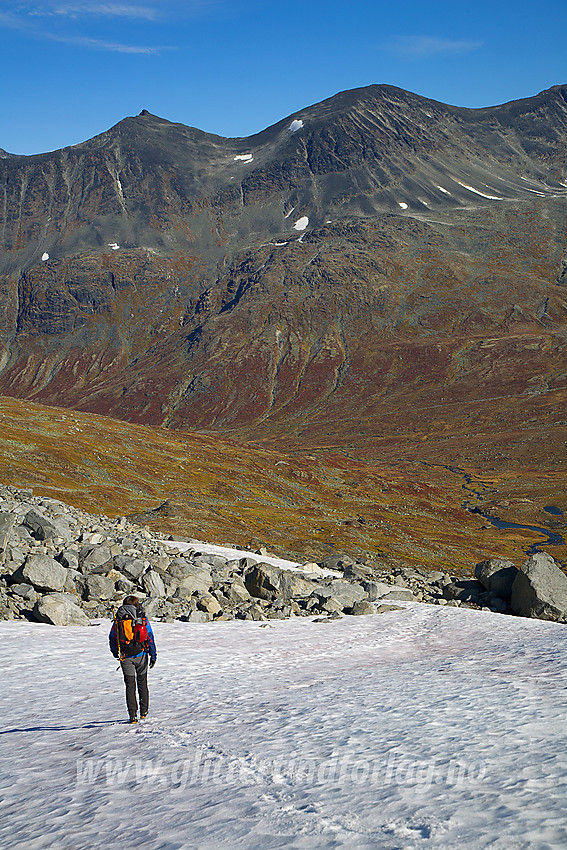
column 133, row 600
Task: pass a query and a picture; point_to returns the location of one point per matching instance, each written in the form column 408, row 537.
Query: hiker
column 133, row 644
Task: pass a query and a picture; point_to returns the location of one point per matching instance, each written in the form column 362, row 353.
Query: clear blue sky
column 71, row 69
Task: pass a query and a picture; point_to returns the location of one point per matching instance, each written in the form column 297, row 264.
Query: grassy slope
column 299, row 504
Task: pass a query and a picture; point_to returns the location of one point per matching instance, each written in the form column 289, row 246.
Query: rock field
column 63, row 566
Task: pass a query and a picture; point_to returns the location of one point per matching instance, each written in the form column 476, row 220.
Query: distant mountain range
column 371, row 265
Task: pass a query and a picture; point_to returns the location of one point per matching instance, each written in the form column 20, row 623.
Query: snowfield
column 428, row 727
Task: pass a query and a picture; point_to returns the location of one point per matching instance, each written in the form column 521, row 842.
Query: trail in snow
column 426, row 727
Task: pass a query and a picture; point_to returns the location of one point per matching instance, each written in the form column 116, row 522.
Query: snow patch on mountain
column 478, row 192
column 296, row 125
column 44, row 256
column 301, row 223
column 243, row 157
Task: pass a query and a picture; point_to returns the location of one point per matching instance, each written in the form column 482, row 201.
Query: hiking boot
column 143, row 716
column 133, row 718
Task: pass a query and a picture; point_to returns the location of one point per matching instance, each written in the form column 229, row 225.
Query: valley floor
column 425, row 727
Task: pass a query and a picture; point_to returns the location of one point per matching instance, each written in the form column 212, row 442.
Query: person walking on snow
column 130, row 623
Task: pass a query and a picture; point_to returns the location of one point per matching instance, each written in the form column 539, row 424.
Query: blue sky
column 71, row 69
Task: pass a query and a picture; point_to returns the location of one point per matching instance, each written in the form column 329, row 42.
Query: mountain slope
column 378, row 272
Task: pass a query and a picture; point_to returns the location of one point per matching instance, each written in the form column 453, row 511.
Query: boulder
column 7, row 522
column 43, row 528
column 208, row 561
column 209, row 604
column 59, row 609
column 95, row 559
column 131, row 567
column 383, row 609
column 15, row 557
column 376, row 589
column 362, row 607
column 100, row 587
column 540, row 590
column 398, row 596
column 75, row 583
column 346, row 593
column 311, row 568
column 95, row 538
column 45, row 573
column 336, row 561
column 295, row 586
column 497, row 575
column 198, row 617
column 263, row 580
column 255, row 612
column 465, row 590
column 357, row 572
column 69, row 558
column 266, row 581
column 26, row 591
column 332, row 606
column 123, row 585
column 197, row 582
column 237, row 592
column 153, row 584
column 496, row 604
column 330, row 619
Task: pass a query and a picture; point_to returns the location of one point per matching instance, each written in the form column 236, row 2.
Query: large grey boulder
column 75, row 583
column 59, row 609
column 497, row 575
column 153, row 584
column 197, row 581
column 540, row 590
column 69, row 558
column 346, row 594
column 296, row 586
column 45, row 573
column 332, row 606
column 336, row 561
column 266, row 581
column 100, row 587
column 44, row 528
column 95, row 559
column 131, row 567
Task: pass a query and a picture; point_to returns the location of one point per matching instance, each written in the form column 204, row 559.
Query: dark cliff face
column 357, row 254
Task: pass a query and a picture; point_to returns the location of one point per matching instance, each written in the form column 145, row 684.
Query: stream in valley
column 475, row 490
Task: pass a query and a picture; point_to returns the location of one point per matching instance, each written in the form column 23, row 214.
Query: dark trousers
column 136, row 672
